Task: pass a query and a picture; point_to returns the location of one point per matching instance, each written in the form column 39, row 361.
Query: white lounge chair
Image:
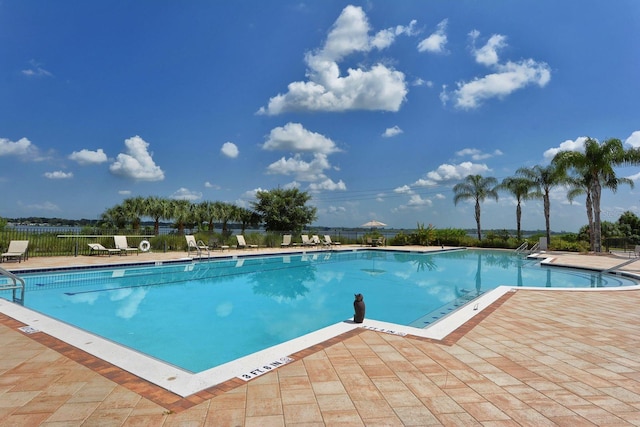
column 17, row 249
column 197, row 246
column 286, row 241
column 306, row 241
column 328, row 242
column 242, row 244
column 98, row 249
column 123, row 246
column 316, row 240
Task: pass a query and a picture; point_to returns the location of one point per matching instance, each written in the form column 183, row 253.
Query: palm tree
column 579, row 185
column 478, row 188
column 181, row 213
column 598, row 161
column 208, row 212
column 520, row 188
column 247, row 217
column 134, row 208
column 115, row 217
column 544, row 178
column 157, row 208
column 226, row 212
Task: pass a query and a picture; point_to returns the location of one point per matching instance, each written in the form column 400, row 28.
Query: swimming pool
column 200, row 315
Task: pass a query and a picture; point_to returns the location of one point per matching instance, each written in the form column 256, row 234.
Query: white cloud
column 634, row 139
column 415, row 202
column 488, row 54
column 58, row 175
column 137, row 163
column 304, row 171
column 377, row 88
column 436, row 42
column 36, row 71
column 405, row 189
column 507, row 78
column 124, row 192
column 88, row 157
column 510, row 77
column 21, row 147
column 229, row 149
column 447, row 172
column 328, row 185
column 422, row 82
column 45, row 206
column 294, row 137
column 208, row 184
column 476, row 154
column 440, row 196
column 568, row 145
column 392, row 131
column 186, row 194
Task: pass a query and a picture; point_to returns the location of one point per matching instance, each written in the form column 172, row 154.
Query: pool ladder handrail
column 15, row 279
column 523, row 247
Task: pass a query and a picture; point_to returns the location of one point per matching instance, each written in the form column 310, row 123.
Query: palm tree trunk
column 547, row 214
column 478, row 219
column 589, row 204
column 518, row 218
column 597, row 228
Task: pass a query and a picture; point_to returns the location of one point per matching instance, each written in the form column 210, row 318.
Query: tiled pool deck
column 534, row 357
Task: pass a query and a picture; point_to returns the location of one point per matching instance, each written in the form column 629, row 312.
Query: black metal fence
column 70, row 241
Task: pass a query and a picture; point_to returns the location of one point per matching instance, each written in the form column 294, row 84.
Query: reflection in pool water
column 200, row 315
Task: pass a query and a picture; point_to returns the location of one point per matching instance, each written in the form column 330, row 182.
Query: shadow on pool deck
column 534, row 358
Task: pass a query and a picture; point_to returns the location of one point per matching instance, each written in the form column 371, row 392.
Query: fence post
column 76, row 246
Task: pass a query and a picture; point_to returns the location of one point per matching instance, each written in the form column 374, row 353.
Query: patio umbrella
column 374, row 223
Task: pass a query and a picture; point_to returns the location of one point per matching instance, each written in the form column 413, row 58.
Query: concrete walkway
column 532, row 358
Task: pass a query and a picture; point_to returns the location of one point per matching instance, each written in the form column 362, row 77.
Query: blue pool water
column 200, row 315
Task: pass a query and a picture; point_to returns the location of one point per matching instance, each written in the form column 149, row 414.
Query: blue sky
column 376, row 108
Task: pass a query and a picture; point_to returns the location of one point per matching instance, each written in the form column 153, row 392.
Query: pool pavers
column 532, row 358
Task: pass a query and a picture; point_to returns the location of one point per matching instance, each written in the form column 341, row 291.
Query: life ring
column 144, row 246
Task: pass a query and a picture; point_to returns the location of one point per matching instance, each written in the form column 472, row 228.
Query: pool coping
column 179, row 388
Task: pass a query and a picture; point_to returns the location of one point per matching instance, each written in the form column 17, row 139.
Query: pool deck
column 533, row 357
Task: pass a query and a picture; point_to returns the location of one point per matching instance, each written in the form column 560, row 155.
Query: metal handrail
column 534, row 248
column 15, row 285
column 523, row 247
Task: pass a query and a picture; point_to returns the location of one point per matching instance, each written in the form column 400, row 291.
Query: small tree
column 284, row 210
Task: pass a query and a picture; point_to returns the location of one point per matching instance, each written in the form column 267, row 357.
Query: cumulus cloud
column 436, row 42
column 21, row 147
column 294, row 137
column 447, row 172
column 568, row 145
column 302, row 170
column 507, row 78
column 488, row 54
column 476, row 154
column 634, row 139
column 58, row 175
column 391, row 132
column 328, row 185
column 229, row 149
column 88, row 157
column 405, row 189
column 415, row 202
column 186, row 194
column 137, row 163
column 375, row 88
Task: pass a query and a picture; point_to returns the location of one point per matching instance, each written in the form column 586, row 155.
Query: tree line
column 278, row 210
column 584, row 173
